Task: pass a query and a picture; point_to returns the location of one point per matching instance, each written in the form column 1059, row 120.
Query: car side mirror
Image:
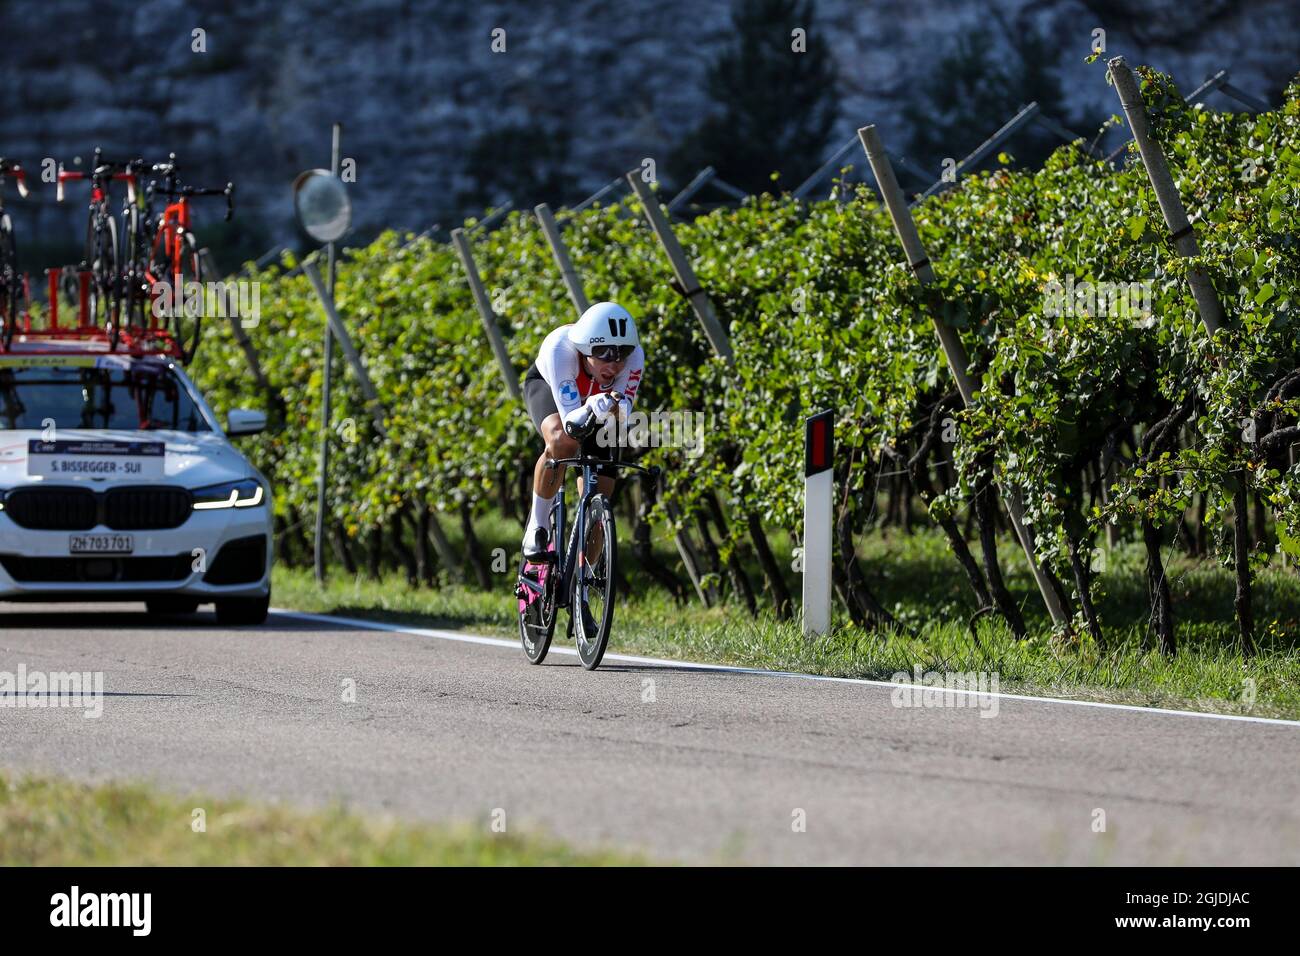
column 243, row 421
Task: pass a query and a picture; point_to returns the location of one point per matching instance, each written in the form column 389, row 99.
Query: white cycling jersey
column 560, row 365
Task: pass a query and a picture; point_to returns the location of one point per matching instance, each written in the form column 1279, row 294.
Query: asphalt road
column 696, row 766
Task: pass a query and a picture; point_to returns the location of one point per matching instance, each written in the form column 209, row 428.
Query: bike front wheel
column 593, row 584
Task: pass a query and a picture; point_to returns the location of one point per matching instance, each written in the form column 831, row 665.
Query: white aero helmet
column 607, row 328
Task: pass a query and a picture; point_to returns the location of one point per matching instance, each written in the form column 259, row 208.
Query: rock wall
column 416, row 81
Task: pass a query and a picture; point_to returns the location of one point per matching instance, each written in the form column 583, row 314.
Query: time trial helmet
column 606, row 329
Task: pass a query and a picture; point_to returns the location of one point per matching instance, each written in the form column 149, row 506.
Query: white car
column 118, row 483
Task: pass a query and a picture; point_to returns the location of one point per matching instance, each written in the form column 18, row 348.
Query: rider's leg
column 546, row 482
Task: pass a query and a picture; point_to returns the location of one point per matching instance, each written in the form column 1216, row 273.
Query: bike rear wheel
column 187, row 319
column 537, row 612
column 593, row 584
column 175, row 268
column 101, row 260
column 136, row 301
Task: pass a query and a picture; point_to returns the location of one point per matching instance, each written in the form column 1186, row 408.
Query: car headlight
column 247, row 493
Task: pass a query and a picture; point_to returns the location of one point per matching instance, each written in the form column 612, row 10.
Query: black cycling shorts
column 540, row 403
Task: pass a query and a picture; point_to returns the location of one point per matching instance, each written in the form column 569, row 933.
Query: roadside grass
column 50, row 822
column 917, row 579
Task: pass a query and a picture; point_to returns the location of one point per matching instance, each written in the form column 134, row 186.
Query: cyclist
column 585, row 372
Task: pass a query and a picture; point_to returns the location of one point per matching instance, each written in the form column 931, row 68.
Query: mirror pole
column 325, row 386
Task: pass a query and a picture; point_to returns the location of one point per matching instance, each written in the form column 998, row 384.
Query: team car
column 117, row 482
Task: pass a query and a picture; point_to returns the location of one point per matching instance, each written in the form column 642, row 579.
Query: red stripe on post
column 818, row 443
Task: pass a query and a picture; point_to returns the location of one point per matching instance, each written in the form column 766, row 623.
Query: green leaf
column 1288, row 544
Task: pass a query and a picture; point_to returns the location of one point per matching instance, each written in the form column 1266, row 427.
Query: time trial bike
column 582, row 577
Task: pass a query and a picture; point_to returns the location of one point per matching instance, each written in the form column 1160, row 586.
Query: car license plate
column 101, row 544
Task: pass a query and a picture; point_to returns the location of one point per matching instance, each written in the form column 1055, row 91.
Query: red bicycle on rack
column 14, row 294
column 161, row 259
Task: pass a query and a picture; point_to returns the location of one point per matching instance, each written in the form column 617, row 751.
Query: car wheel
column 172, row 605
column 242, row 611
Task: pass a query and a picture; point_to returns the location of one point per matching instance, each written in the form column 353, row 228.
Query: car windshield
column 142, row 397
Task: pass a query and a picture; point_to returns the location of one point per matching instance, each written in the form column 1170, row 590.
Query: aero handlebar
column 228, row 191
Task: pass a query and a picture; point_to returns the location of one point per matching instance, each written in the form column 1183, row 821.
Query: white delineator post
column 818, row 497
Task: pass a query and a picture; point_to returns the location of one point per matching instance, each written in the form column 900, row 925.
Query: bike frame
column 569, row 557
column 172, row 227
column 101, row 176
column 171, row 233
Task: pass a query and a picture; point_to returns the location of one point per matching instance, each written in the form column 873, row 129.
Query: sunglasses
column 612, row 353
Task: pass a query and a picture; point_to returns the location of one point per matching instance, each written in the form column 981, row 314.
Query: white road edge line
column 732, row 669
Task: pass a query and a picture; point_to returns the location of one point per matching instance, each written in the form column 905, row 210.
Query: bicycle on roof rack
column 161, row 256
column 15, row 297
column 104, row 297
column 128, row 269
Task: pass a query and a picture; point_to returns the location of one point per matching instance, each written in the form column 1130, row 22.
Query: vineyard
column 1115, row 418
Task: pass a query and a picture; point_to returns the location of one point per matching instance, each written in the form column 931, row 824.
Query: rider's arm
column 629, row 380
column 558, row 363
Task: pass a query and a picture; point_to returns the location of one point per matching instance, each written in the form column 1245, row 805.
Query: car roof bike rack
column 85, row 338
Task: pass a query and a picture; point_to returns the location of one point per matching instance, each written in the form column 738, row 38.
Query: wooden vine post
column 491, row 324
column 1207, row 303
column 953, row 349
column 689, row 286
column 572, row 282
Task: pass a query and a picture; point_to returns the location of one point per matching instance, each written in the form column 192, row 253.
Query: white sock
column 541, row 511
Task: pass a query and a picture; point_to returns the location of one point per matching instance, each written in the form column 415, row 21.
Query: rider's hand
column 601, row 404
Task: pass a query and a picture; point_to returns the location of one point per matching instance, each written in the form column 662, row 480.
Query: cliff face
column 415, row 82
